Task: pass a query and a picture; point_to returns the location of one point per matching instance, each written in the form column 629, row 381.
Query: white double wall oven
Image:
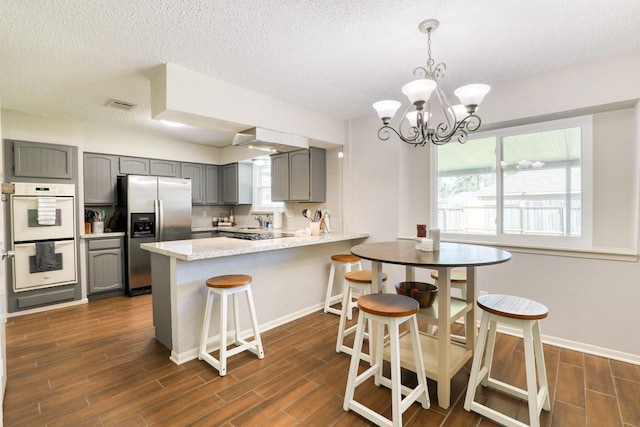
column 43, row 234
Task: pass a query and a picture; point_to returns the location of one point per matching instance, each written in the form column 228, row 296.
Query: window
column 528, row 185
column 262, row 187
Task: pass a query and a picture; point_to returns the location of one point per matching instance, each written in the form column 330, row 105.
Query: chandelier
column 459, row 119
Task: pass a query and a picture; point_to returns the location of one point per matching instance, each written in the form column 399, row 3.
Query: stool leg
column 344, row 314
column 327, row 298
column 254, row 323
column 348, row 267
column 542, row 371
column 419, row 358
column 491, row 344
column 396, row 385
column 353, row 366
column 236, row 319
column 223, row 334
column 477, row 358
column 530, row 369
column 204, row 337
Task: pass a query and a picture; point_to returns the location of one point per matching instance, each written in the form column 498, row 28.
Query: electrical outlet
column 204, row 213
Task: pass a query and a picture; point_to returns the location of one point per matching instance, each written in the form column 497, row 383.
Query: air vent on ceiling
column 123, row 105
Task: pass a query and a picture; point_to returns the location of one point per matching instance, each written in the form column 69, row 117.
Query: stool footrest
column 496, row 416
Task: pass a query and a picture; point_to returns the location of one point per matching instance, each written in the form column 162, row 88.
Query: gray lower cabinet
column 39, row 160
column 134, row 166
column 237, row 181
column 196, row 173
column 201, row 235
column 100, row 178
column 164, row 168
column 104, row 265
column 301, row 178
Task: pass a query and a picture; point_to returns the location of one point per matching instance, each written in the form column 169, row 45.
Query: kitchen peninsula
column 289, row 279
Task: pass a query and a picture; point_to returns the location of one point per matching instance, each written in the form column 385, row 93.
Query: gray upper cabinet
column 237, row 181
column 213, row 184
column 100, row 179
column 280, row 177
column 164, row 168
column 196, row 173
column 37, row 160
column 134, row 166
column 305, row 180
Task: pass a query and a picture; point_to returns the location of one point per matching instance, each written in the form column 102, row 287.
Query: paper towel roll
column 277, row 220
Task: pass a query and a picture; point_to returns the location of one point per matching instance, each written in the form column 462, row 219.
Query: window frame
column 257, row 207
column 518, row 240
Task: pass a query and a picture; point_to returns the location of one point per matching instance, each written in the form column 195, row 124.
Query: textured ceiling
column 68, row 58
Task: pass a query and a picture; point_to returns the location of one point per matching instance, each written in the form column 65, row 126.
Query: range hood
column 269, row 140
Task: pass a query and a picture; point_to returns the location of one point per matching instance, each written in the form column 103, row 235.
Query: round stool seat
column 457, row 276
column 345, row 258
column 512, row 307
column 229, row 281
column 362, row 276
column 389, row 305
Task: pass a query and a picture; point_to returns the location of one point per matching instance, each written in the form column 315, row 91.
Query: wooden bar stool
column 346, row 262
column 225, row 286
column 391, row 310
column 522, row 313
column 360, row 281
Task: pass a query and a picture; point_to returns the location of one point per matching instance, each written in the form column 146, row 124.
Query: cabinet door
column 230, row 183
column 105, row 270
column 194, row 172
column 317, row 175
column 213, row 185
column 299, row 175
column 134, row 166
column 164, row 168
column 280, row 177
column 100, row 179
column 37, row 160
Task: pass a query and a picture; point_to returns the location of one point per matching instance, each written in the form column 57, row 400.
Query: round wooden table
column 443, row 358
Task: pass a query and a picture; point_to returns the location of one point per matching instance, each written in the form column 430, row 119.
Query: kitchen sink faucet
column 259, row 219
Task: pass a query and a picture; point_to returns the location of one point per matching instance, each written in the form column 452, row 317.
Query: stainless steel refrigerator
column 158, row 209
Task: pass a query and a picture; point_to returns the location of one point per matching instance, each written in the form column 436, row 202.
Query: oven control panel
column 143, row 225
column 48, row 189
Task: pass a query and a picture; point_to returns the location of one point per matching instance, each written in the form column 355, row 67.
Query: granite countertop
column 102, row 235
column 216, row 247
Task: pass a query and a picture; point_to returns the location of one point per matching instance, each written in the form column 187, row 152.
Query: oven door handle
column 8, row 254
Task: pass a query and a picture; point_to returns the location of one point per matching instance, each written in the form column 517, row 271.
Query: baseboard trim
column 577, row 346
column 48, row 308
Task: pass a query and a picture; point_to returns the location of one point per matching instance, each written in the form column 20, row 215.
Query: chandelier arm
column 442, row 135
column 385, row 132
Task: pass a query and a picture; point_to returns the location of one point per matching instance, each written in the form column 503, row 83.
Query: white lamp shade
column 419, row 90
column 387, row 108
column 472, row 94
column 459, row 112
column 412, row 117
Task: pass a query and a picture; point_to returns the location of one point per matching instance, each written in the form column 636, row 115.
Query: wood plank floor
column 98, row 364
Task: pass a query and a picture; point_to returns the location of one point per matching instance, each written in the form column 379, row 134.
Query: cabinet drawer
column 104, row 244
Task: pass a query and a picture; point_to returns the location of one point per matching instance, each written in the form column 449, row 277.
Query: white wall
column 593, row 303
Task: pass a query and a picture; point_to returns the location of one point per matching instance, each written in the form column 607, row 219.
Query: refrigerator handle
column 159, row 221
